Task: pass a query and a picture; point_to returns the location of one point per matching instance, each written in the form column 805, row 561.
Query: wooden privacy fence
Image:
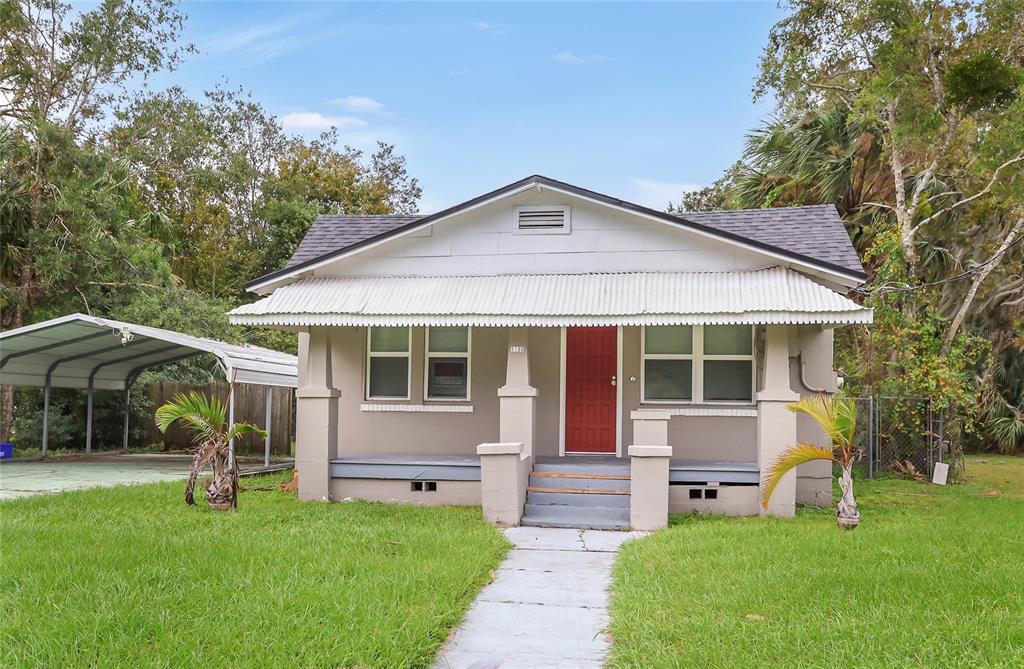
column 250, row 406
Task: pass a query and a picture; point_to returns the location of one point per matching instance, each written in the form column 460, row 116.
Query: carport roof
column 73, row 349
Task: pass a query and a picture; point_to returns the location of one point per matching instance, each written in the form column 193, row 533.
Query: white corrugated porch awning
column 773, row 295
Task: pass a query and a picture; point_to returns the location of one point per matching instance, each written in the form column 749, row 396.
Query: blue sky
column 634, row 100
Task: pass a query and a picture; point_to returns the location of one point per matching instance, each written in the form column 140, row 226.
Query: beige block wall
column 726, row 438
column 814, row 479
column 457, row 493
column 442, row 433
column 732, row 501
column 693, row 437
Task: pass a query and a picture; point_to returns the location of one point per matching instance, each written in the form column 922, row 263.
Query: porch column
column 504, row 476
column 776, row 425
column 517, row 399
column 648, row 470
column 316, row 415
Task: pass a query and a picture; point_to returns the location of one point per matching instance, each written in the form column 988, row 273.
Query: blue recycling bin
column 6, row 450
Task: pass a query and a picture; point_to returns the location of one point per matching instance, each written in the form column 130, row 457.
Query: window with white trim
column 695, row 364
column 387, row 363
column 447, row 364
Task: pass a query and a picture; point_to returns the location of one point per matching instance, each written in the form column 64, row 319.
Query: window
column 447, row 367
column 668, row 363
column 388, row 371
column 728, row 363
column 683, row 363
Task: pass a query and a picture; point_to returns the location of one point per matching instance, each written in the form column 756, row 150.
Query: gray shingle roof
column 814, row 231
column 332, row 233
column 813, row 235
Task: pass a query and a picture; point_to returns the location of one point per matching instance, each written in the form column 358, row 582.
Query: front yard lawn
column 933, row 577
column 130, row 576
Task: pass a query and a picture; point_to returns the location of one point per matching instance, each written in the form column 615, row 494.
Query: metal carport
column 80, row 351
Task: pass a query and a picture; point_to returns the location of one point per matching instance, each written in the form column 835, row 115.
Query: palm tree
column 837, row 416
column 206, row 418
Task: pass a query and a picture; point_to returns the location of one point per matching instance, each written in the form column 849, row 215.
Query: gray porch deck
column 453, row 467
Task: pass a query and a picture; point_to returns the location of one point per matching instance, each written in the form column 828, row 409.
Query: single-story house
column 562, row 357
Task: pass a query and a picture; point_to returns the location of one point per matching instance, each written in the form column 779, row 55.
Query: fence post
column 871, row 436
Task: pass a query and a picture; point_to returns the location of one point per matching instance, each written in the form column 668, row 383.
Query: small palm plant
column 206, row 417
column 837, row 416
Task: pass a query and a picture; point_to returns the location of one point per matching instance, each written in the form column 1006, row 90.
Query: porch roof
column 773, row 295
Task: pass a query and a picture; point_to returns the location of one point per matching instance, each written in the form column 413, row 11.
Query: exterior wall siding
column 484, row 242
column 457, row 493
column 815, row 348
column 426, row 432
column 723, row 438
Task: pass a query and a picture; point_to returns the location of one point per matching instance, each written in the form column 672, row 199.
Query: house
column 562, row 357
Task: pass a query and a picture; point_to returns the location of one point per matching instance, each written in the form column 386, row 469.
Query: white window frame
column 389, row 354
column 697, row 356
column 427, row 355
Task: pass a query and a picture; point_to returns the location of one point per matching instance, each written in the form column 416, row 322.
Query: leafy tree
column 64, row 207
column 715, row 197
column 922, row 73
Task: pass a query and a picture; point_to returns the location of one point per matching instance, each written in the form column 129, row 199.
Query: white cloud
column 259, row 43
column 458, row 71
column 657, row 194
column 486, row 27
column 358, row 103
column 569, row 58
column 302, row 120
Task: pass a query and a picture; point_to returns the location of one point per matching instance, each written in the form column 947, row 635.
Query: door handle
column 614, row 381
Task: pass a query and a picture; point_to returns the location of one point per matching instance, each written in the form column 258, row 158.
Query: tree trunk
column 979, row 278
column 7, row 409
column 21, row 305
column 847, row 515
column 220, row 491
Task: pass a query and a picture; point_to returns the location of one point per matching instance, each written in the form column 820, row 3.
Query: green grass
column 933, row 577
column 131, row 576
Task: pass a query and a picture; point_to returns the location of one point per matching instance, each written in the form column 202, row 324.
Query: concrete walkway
column 547, row 606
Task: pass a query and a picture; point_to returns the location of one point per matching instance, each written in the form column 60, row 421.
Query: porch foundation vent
column 542, row 219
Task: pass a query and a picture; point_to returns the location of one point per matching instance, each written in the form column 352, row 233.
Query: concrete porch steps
column 578, row 495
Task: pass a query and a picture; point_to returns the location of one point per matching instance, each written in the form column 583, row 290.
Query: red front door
column 590, row 362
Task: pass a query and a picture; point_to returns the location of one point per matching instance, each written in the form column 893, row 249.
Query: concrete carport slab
column 23, row 479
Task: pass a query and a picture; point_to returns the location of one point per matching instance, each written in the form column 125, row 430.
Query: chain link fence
column 900, row 434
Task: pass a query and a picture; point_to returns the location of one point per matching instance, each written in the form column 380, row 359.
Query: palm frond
column 792, row 457
column 206, row 416
column 837, row 416
column 239, row 429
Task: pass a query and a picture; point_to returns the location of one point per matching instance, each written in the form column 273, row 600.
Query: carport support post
column 231, row 422
column 127, row 397
column 266, row 426
column 46, row 416
column 88, row 419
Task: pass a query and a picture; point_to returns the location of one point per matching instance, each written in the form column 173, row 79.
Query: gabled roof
column 814, row 231
column 813, row 236
column 333, row 233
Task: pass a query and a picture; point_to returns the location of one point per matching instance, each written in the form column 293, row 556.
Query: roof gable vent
column 542, row 219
